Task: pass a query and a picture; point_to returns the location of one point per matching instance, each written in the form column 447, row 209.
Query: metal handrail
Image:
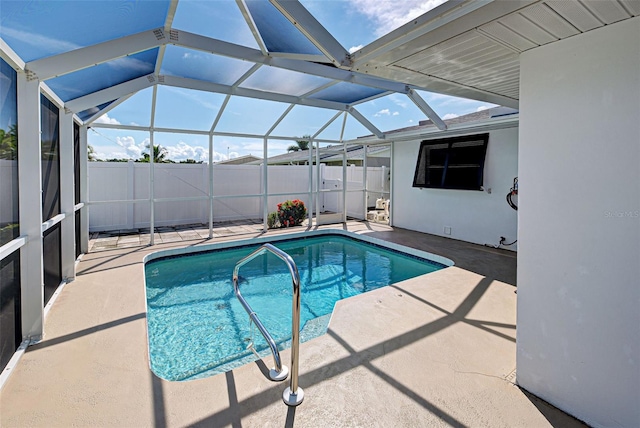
column 293, row 395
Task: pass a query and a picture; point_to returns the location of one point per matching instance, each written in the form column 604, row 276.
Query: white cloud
column 133, row 150
column 481, row 108
column 386, row 112
column 46, row 43
column 183, row 151
column 106, row 119
column 129, row 63
column 398, row 100
column 389, row 15
column 449, row 116
column 353, row 49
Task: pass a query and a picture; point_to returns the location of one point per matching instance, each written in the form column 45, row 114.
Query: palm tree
column 300, row 144
column 159, row 155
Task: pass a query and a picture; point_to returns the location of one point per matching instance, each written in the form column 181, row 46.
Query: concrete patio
column 437, row 350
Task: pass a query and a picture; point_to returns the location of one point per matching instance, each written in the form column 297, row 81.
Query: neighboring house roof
column 327, row 154
column 240, row 160
column 467, row 118
column 356, row 152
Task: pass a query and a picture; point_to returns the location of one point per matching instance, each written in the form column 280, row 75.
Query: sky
column 354, row 23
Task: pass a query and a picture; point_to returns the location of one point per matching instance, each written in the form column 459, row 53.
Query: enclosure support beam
column 210, row 186
column 265, row 183
column 67, row 202
column 30, row 179
column 78, row 59
column 364, row 180
column 426, row 109
column 344, row 182
column 363, row 120
column 84, row 213
column 391, row 185
column 310, row 187
column 152, row 207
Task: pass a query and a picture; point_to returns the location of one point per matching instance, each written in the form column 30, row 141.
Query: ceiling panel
column 461, row 47
column 607, row 11
column 192, row 64
column 39, row 29
column 497, row 60
column 348, row 93
column 633, row 6
column 470, row 59
column 521, row 25
column 278, row 34
column 279, row 80
column 576, row 14
column 508, row 36
column 549, row 20
column 88, row 113
column 105, row 75
column 455, row 53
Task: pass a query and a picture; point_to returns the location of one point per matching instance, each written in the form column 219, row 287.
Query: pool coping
column 298, row 235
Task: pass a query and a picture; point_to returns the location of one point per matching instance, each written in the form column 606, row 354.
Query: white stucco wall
column 578, row 338
column 473, row 216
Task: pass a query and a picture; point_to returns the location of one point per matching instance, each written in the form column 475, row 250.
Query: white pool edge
column 307, row 234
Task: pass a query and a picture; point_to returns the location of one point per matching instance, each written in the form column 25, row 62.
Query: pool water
column 197, row 327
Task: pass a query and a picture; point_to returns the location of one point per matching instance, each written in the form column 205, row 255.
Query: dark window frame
column 455, row 163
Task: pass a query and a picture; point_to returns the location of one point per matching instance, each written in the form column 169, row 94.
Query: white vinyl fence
column 237, row 192
column 8, row 202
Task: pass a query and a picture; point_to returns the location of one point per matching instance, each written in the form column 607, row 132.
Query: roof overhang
column 471, row 48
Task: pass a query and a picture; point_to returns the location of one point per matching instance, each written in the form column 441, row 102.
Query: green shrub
column 291, row 213
column 272, row 220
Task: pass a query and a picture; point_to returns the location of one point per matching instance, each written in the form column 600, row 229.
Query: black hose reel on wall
column 513, row 192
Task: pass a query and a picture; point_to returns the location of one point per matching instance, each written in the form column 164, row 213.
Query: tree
column 159, row 155
column 91, row 153
column 302, row 144
column 9, row 143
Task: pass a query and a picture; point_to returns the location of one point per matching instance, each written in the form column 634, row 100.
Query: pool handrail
column 293, row 395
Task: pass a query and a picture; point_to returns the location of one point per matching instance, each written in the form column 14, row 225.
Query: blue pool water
column 198, row 328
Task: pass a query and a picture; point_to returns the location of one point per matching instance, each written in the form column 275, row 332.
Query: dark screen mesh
column 76, row 162
column 78, row 246
column 10, row 326
column 50, row 146
column 51, row 260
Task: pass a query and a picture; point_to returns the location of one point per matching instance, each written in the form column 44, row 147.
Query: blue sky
column 354, row 23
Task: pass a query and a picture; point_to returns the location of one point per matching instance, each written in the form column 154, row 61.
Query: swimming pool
column 197, row 327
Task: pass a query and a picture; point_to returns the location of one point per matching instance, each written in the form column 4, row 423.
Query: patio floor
column 437, row 350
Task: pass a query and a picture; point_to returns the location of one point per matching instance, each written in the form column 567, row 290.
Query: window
column 452, row 163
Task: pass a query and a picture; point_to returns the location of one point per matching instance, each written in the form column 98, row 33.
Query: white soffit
column 476, row 55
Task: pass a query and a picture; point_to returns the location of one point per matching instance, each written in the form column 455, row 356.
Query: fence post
column 130, row 194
